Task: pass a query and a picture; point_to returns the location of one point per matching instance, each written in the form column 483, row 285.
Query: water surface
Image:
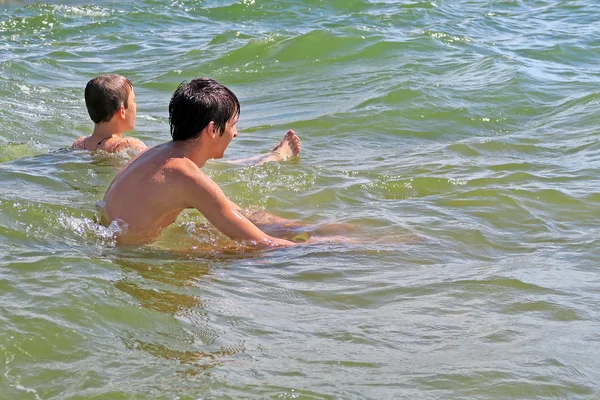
column 460, row 138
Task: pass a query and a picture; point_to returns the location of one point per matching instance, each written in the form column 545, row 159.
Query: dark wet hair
column 196, row 103
column 105, row 94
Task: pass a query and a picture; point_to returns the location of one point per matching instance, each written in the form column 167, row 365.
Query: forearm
column 235, row 225
column 205, row 196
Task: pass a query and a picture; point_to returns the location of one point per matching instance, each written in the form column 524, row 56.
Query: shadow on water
column 171, row 284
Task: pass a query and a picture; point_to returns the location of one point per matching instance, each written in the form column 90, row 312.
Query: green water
column 459, row 137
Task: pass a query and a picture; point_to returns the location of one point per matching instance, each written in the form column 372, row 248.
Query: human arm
column 202, row 193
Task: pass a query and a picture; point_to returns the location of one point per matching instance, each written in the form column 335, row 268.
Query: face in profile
column 229, row 133
column 131, row 111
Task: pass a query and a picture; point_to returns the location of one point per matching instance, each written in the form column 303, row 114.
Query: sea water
column 458, row 138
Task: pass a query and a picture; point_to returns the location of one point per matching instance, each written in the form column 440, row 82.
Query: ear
column 210, row 129
column 121, row 112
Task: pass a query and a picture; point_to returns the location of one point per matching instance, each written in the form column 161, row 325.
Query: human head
column 196, row 103
column 105, row 94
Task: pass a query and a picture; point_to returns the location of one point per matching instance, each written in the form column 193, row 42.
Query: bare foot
column 288, row 147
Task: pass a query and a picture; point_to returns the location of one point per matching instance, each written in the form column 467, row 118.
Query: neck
column 105, row 130
column 191, row 149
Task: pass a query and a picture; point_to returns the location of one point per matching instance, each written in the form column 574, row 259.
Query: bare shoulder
column 186, row 170
column 129, row 143
column 135, row 144
column 79, row 144
column 194, row 182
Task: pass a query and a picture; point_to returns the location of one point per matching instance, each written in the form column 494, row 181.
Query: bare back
column 110, row 144
column 146, row 194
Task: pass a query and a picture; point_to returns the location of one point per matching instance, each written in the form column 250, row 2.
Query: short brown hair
column 105, row 94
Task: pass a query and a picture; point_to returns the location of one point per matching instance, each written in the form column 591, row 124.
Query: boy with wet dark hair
column 195, row 104
column 110, row 102
column 150, row 192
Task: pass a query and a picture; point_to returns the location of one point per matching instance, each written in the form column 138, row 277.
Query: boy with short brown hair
column 110, row 102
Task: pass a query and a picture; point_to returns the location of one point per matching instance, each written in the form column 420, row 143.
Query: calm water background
column 459, row 137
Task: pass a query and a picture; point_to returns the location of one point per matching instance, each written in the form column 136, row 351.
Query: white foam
column 84, row 11
column 85, row 227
